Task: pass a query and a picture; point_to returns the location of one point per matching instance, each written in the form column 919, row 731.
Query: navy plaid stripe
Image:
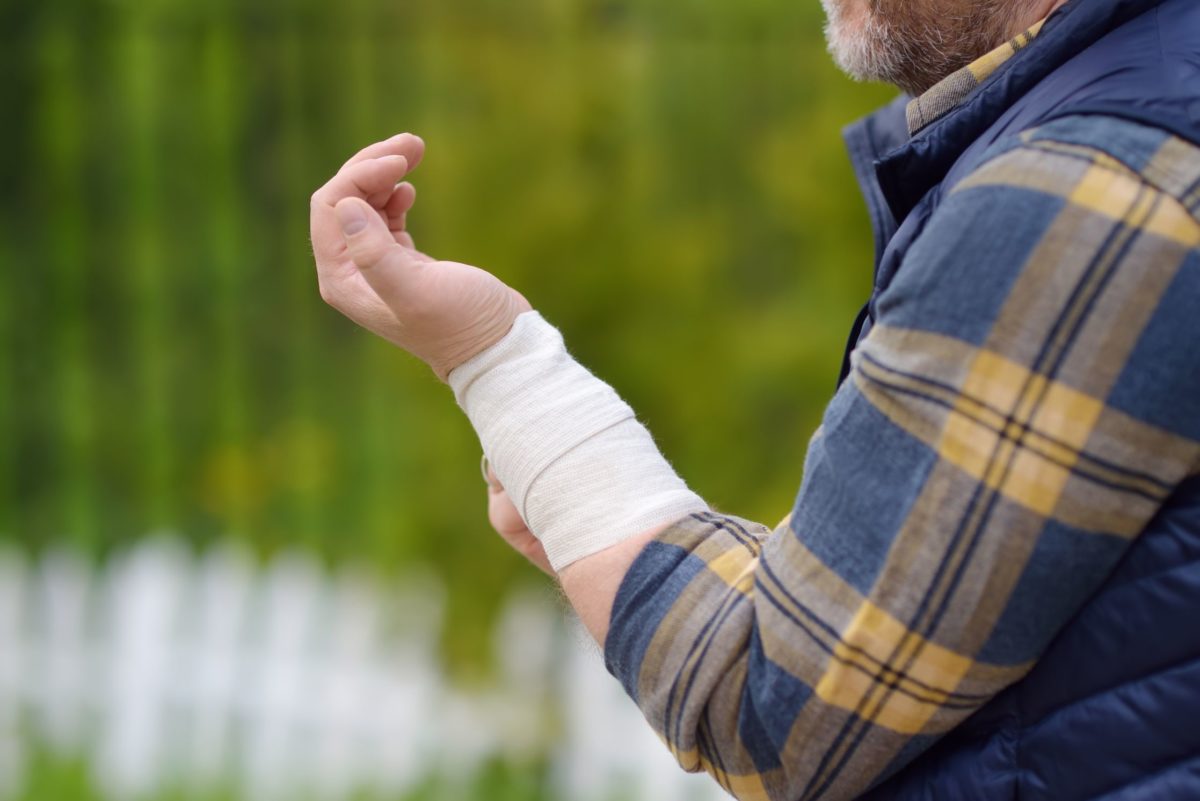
column 945, row 395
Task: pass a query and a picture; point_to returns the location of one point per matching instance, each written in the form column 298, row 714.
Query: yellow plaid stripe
column 856, row 682
column 950, row 92
column 977, row 420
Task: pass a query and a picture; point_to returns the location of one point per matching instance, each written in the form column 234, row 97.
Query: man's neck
column 937, row 101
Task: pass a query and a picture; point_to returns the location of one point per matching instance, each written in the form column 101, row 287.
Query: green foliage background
column 664, row 181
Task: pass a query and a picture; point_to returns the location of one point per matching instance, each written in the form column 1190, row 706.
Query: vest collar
column 904, row 169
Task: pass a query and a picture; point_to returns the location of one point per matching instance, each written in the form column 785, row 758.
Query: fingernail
column 351, row 218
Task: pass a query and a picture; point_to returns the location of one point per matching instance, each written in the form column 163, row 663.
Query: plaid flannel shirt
column 1021, row 409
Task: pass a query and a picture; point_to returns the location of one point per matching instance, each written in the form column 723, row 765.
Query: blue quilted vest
column 1112, row 710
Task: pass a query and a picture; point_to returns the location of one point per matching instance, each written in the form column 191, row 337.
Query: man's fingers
column 503, row 515
column 398, row 205
column 493, row 481
column 411, row 146
column 376, row 182
column 395, row 211
column 388, row 267
column 396, row 214
column 373, row 179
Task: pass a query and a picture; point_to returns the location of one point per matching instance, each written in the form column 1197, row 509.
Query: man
column 988, row 585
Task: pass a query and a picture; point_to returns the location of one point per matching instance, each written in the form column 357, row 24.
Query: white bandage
column 581, row 470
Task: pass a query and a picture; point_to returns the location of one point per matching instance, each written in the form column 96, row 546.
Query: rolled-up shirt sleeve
column 1026, row 401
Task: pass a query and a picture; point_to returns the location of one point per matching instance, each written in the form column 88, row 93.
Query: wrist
column 580, row 469
column 482, row 335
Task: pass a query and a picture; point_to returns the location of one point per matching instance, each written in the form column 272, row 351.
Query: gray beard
column 913, row 44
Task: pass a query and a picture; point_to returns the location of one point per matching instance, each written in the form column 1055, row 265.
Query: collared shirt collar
column 898, row 168
column 952, row 90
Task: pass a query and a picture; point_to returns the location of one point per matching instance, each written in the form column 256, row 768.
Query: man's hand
column 442, row 312
column 507, row 521
column 370, row 270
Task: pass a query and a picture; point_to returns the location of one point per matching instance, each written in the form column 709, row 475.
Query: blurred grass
column 664, row 181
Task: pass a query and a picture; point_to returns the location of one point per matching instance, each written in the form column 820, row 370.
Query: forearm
column 591, row 583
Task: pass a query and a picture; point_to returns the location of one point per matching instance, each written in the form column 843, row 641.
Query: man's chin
column 909, row 43
column 863, row 50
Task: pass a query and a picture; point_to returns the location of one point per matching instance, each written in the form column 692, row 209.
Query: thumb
column 386, row 265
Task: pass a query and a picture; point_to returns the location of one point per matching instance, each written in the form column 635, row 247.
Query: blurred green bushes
column 665, row 181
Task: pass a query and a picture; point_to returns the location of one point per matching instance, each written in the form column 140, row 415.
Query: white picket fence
column 288, row 682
